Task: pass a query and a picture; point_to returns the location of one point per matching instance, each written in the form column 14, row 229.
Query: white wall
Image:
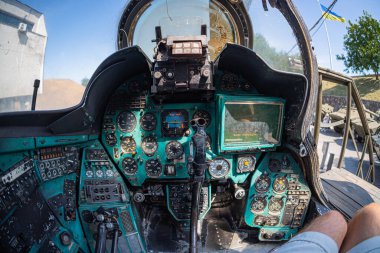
column 21, row 54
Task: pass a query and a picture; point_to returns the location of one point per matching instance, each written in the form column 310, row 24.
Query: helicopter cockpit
column 192, row 137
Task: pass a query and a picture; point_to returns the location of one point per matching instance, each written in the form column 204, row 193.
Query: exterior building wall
column 21, row 53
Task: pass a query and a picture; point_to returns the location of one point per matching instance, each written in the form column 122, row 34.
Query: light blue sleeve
column 310, row 242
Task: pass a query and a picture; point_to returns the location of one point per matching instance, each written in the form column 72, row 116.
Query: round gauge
column 246, row 163
column 111, row 139
column 258, row 204
column 280, row 184
column 149, row 145
column 89, row 173
column 99, row 173
column 148, row 121
column 219, row 168
column 274, row 165
column 173, row 150
column 204, row 115
column 153, row 168
column 109, row 173
column 262, row 183
column 128, row 145
column 230, row 82
column 275, row 204
column 136, row 86
column 126, row 121
column 129, row 166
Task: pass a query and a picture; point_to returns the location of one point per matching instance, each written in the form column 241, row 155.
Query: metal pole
column 347, row 125
column 327, row 35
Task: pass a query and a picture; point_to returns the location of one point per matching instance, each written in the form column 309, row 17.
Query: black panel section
column 269, row 82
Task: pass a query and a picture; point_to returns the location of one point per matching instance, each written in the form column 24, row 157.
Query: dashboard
column 130, row 184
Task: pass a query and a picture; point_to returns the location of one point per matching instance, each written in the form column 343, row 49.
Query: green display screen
column 252, row 123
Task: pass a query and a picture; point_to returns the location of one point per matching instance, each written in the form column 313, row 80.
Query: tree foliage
column 362, row 45
column 277, row 59
column 85, row 81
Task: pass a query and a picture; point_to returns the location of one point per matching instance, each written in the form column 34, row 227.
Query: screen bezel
column 247, row 147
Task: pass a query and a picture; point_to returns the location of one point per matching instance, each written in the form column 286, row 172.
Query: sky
column 81, row 34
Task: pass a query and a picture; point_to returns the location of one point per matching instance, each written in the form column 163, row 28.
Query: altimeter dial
column 219, row 168
column 129, row 166
column 149, row 145
column 174, row 150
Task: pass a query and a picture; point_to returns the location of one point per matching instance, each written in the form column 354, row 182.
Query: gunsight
column 181, row 63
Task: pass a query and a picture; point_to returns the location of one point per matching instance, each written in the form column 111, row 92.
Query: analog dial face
column 258, row 204
column 262, row 183
column 129, row 166
column 99, row 173
column 204, row 115
column 89, row 173
column 126, row 121
column 153, row 168
column 280, row 184
column 148, row 122
column 149, row 145
column 174, row 150
column 109, row 173
column 128, row 145
column 246, row 163
column 275, row 204
column 219, row 168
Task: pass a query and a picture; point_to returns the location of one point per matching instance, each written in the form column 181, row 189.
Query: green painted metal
column 222, row 100
column 42, row 142
column 16, row 144
column 263, row 167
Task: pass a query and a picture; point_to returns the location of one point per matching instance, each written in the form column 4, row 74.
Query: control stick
column 100, row 246
column 199, row 167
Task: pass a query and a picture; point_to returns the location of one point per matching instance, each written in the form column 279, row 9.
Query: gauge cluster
column 155, row 142
column 278, row 198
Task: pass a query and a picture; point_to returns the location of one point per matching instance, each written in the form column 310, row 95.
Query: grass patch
column 368, row 87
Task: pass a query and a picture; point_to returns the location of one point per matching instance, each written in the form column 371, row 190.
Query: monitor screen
column 252, row 124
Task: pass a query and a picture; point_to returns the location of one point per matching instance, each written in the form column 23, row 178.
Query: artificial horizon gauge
column 246, row 163
column 174, row 150
column 204, row 115
column 280, row 184
column 148, row 122
column 262, row 183
column 153, row 168
column 149, row 145
column 219, row 168
column 275, row 204
column 126, row 121
column 258, row 204
column 128, row 145
column 129, row 166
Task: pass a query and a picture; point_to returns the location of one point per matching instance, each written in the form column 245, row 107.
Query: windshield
column 41, row 41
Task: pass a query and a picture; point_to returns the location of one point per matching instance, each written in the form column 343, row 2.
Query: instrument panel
column 278, row 198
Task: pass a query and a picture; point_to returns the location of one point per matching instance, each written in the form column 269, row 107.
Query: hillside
column 59, row 94
column 368, row 87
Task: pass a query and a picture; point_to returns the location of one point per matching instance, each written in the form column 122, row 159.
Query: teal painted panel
column 16, row 144
column 290, row 187
column 54, row 187
column 42, row 142
column 252, row 146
